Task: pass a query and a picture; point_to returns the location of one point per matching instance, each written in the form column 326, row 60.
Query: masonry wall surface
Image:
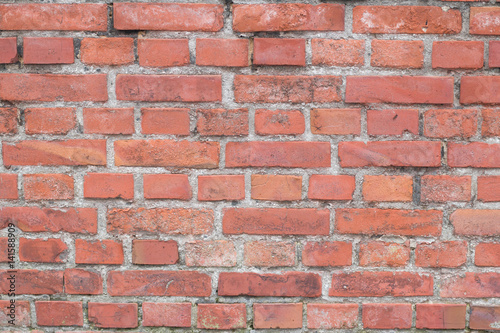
column 250, row 165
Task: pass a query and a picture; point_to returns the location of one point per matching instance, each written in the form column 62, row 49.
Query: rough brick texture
column 284, row 166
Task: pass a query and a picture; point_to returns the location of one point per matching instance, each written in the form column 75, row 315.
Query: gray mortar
column 228, row 102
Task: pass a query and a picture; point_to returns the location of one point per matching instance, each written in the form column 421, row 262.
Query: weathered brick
column 480, row 89
column 494, row 51
column 108, row 121
column 49, row 120
column 444, row 188
column 82, row 282
column 491, row 122
column 168, row 88
column 277, row 315
column 286, row 89
column 8, row 120
column 474, row 154
column 221, row 187
column 219, row 253
column 387, row 316
column 450, row 123
column 289, row 284
column 8, row 55
column 33, row 282
column 276, row 221
column 374, row 221
column 108, row 186
column 107, row 51
column 293, row 154
column 288, row 17
column 400, row 54
column 166, row 314
column 159, row 283
column 222, row 52
column 52, row 250
column 342, row 53
column 8, row 186
column 154, row 252
column 384, row 254
column 336, row 121
column 484, row 21
column 488, row 188
column 378, row 284
column 476, row 222
column 101, row 252
column 45, row 51
column 487, row 254
column 222, row 316
column 330, row 316
column 163, row 52
column 441, row 316
column 276, row 187
column 48, row 187
column 406, row 20
column 22, row 313
column 165, row 121
column 269, row 254
column 331, row 187
column 279, row 122
column 484, row 317
column 327, row 254
column 472, row 285
column 184, row 221
column 59, row 313
column 441, row 254
column 221, row 122
column 392, row 122
column 457, row 54
column 113, row 315
column 387, row 188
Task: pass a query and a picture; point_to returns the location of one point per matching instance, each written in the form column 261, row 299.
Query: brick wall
column 250, row 165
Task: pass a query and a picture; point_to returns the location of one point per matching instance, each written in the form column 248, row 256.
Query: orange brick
column 276, row 187
column 387, row 188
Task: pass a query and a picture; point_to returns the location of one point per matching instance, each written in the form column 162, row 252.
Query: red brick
column 406, row 20
column 276, row 221
column 113, row 315
column 279, row 52
column 4, row 249
column 279, row 122
column 387, row 188
column 168, row 88
column 276, row 187
column 8, row 186
column 163, row 52
column 108, row 186
column 329, row 316
column 222, row 316
column 43, row 50
column 67, row 152
column 373, row 221
column 400, row 54
column 342, row 53
column 222, row 122
column 59, row 313
column 33, row 282
column 491, row 122
column 108, row 121
column 480, row 89
column 222, row 52
column 102, row 252
column 182, row 221
column 277, row 315
column 485, row 317
column 488, row 188
column 390, row 153
column 56, row 87
column 167, row 186
column 400, row 89
column 218, row 253
column 392, row 122
column 167, row 153
column 34, row 219
column 476, row 222
column 82, row 282
column 221, row 187
column 331, row 187
column 484, row 21
column 450, row 123
column 48, row 187
column 296, row 154
column 387, row 316
column 487, row 254
column 494, row 51
column 154, row 252
column 165, row 121
column 474, row 154
column 327, row 254
column 168, row 16
column 22, row 313
column 286, row 89
column 269, row 254
column 8, row 55
column 288, row 17
column 384, row 254
column 441, row 254
column 49, row 120
column 336, row 121
column 159, row 283
column 40, row 16
column 441, row 316
column 288, row 284
column 378, row 284
column 166, row 314
column 107, row 51
column 457, row 54
column 473, row 285
column 8, row 120
column 52, row 250
column 444, row 188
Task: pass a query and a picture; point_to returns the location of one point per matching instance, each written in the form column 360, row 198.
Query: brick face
column 250, row 165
